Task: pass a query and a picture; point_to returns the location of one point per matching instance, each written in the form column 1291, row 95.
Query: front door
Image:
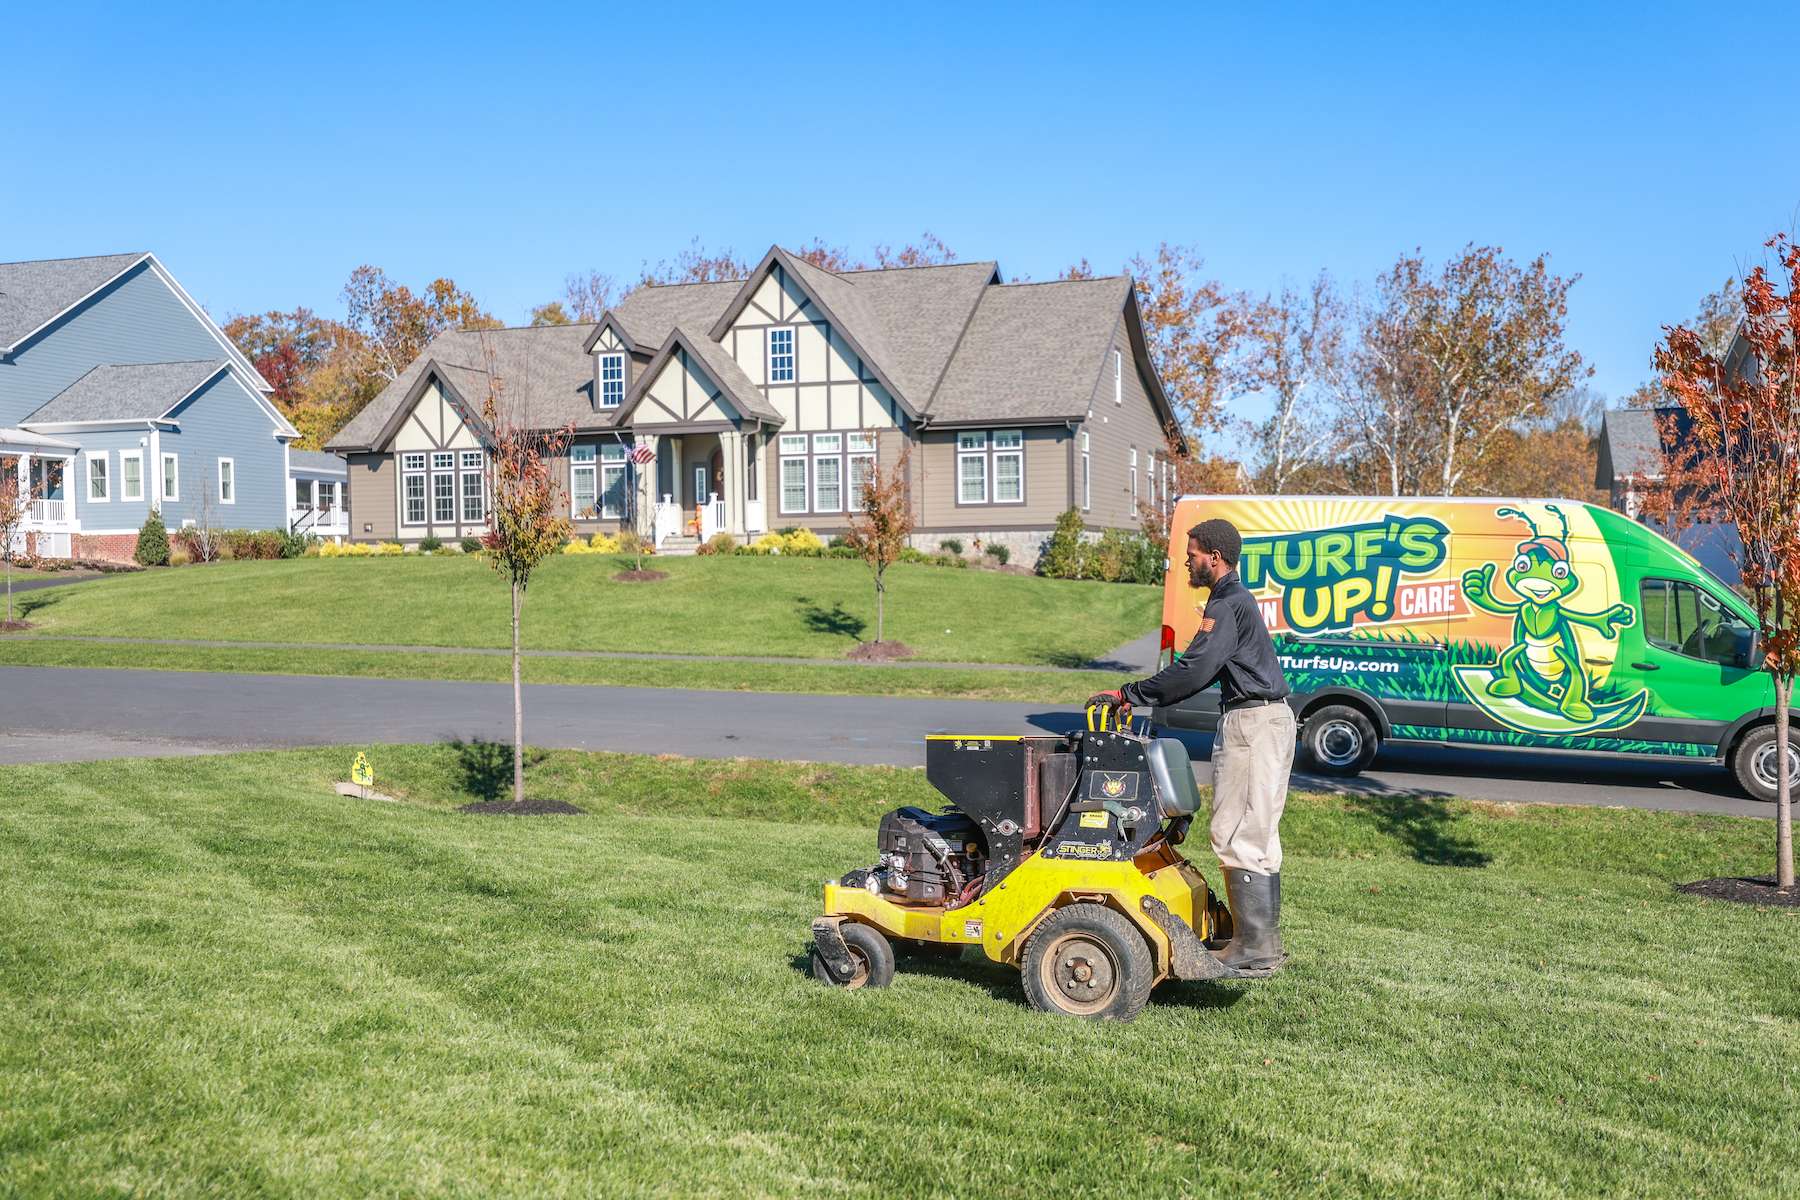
column 701, row 493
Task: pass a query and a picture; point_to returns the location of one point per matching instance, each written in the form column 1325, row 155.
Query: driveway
column 56, row 715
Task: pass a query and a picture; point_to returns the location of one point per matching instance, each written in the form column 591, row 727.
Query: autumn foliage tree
column 880, row 529
column 15, row 507
column 1739, row 458
column 527, row 522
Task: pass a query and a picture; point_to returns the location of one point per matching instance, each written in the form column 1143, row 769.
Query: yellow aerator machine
column 1057, row 855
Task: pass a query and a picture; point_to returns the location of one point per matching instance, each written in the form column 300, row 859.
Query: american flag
column 642, row 455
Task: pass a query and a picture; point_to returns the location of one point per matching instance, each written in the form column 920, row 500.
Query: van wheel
column 1753, row 762
column 1340, row 740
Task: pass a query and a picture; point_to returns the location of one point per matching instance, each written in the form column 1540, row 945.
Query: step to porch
column 679, row 547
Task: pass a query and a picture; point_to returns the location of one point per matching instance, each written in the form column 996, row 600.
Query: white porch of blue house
column 44, row 469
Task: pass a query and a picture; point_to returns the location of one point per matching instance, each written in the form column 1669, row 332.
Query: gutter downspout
column 153, row 470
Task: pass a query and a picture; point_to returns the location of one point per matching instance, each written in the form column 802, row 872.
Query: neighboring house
column 320, row 490
column 1633, row 459
column 765, row 401
column 118, row 394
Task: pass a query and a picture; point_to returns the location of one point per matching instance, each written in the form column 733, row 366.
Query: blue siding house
column 118, row 394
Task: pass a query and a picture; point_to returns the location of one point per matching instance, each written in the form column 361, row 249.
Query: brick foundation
column 104, row 547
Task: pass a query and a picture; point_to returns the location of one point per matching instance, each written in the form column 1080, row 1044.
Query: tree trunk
column 518, row 599
column 880, row 605
column 1784, row 786
column 9, row 610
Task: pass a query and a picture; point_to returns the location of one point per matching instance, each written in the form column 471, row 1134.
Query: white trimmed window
column 1118, row 377
column 227, row 481
column 474, row 487
column 612, row 380
column 1134, row 491
column 443, row 488
column 971, row 467
column 171, row 477
column 1009, row 466
column 582, row 483
column 793, row 472
column 327, row 495
column 412, row 489
column 99, row 483
column 828, row 472
column 781, row 355
column 131, row 474
column 303, row 493
column 1087, row 475
column 862, row 465
column 612, row 480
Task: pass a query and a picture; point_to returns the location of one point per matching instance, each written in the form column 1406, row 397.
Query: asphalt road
column 53, row 715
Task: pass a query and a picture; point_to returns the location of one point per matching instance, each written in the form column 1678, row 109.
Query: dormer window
column 781, row 355
column 612, row 380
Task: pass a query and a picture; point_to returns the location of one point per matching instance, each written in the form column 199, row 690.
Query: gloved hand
column 1112, row 698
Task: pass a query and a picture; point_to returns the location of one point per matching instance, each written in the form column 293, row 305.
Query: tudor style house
column 761, row 403
column 118, row 394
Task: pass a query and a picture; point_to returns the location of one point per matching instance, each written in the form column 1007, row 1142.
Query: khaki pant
column 1252, row 754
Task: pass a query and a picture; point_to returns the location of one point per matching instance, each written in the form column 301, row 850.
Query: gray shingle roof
column 920, row 310
column 317, row 462
column 127, row 391
column 33, row 292
column 744, row 395
column 1630, row 444
column 650, row 313
column 546, row 379
column 1032, row 350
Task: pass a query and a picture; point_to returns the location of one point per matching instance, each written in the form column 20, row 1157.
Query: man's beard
column 1200, row 576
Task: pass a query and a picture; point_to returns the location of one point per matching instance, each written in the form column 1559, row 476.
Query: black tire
column 1088, row 961
column 1753, row 762
column 872, row 953
column 1339, row 740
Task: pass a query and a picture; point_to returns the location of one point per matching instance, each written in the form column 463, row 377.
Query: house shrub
column 346, row 550
column 842, row 552
column 951, row 546
column 998, row 552
column 471, row 545
column 803, row 543
column 179, row 557
column 1063, row 558
column 430, row 544
column 293, row 545
column 389, row 549
column 153, row 542
column 605, row 543
column 719, row 543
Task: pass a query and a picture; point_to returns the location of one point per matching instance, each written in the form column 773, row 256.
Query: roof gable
column 715, row 364
column 33, row 294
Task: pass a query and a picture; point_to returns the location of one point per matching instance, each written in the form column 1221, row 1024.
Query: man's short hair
column 1221, row 535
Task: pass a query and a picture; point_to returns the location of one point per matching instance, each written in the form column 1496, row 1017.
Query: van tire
column 1339, row 739
column 1753, row 762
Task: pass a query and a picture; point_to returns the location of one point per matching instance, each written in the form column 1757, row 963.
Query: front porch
column 702, row 482
column 43, row 468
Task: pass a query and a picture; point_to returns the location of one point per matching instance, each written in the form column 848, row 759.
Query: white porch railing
column 712, row 518
column 668, row 521
column 332, row 523
column 754, row 521
column 48, row 512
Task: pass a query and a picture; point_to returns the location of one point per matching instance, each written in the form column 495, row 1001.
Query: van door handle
column 1646, row 666
column 1598, row 662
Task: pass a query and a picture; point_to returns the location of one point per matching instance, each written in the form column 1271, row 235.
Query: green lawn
column 1068, row 688
column 809, row 608
column 217, row 978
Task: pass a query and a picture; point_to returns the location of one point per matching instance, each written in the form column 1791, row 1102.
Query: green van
column 1533, row 624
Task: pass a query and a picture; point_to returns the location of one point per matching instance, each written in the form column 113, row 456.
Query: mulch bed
column 1758, row 889
column 14, row 626
column 525, row 808
column 640, row 576
column 879, row 651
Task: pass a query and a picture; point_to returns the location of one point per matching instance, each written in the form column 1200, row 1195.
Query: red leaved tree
column 527, row 522
column 879, row 530
column 15, row 507
column 1739, row 460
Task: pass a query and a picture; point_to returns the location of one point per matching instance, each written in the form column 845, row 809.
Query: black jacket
column 1232, row 647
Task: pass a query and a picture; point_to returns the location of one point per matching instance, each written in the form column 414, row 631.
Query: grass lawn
column 1025, row 687
column 217, row 978
column 807, row 608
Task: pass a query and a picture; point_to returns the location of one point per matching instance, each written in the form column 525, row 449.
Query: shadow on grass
column 1423, row 825
column 836, row 620
column 487, row 767
column 31, row 602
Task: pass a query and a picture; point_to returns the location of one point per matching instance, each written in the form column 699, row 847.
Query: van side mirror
column 1746, row 651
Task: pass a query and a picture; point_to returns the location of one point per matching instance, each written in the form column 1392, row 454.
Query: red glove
column 1112, row 698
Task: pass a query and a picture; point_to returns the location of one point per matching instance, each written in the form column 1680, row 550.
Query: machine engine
column 926, row 858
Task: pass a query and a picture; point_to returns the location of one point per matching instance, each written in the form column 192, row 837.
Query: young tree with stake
column 1741, row 459
column 527, row 523
column 15, row 507
column 879, row 530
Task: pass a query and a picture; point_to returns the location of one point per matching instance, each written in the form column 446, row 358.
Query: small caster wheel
column 870, row 952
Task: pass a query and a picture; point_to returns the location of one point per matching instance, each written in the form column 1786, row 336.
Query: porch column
column 647, row 496
column 676, row 466
column 731, row 449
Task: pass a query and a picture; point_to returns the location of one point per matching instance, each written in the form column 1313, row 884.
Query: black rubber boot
column 1255, row 902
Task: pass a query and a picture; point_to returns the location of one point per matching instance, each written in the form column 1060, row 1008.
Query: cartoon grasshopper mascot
column 1543, row 630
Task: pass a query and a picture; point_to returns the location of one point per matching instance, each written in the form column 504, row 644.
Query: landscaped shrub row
column 360, row 550
column 623, row 542
column 1117, row 557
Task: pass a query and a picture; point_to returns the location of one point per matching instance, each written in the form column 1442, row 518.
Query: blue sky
column 264, row 151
